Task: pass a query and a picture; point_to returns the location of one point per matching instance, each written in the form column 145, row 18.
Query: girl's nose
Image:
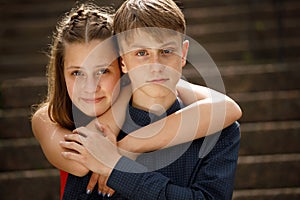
column 92, row 85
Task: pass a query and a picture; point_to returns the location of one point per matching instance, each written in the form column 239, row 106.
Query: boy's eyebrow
column 139, row 46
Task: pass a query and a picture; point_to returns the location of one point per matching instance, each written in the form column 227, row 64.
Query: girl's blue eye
column 103, row 71
column 77, row 73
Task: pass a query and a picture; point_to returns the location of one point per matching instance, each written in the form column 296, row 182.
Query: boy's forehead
column 149, row 38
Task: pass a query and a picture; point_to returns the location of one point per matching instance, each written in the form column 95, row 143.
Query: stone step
column 245, row 78
column 248, row 43
column 13, row 92
column 280, row 137
column 31, row 184
column 254, row 14
column 15, row 123
column 255, row 178
column 269, row 105
column 257, row 139
column 268, row 171
column 268, row 194
column 31, row 157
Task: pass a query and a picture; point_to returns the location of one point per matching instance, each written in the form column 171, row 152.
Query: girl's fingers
column 72, row 146
column 110, row 192
column 101, row 185
column 92, row 183
column 103, row 188
column 73, row 137
column 72, row 156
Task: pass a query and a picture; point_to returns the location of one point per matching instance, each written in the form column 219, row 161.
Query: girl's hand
column 103, row 189
column 92, row 150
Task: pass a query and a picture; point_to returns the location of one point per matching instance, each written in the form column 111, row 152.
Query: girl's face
column 92, row 75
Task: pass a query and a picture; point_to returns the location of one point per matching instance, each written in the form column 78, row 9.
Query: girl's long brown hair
column 84, row 23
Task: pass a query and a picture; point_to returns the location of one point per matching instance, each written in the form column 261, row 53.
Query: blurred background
column 256, row 46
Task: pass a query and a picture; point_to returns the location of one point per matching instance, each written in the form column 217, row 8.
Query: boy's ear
column 123, row 66
column 185, row 49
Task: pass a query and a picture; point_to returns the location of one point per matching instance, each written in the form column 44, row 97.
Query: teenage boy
column 153, row 59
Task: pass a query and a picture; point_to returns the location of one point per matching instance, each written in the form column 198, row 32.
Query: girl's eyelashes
column 102, row 71
column 77, row 73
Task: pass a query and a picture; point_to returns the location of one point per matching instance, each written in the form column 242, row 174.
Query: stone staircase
column 255, row 45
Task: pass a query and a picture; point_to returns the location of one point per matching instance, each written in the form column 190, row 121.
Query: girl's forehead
column 91, row 53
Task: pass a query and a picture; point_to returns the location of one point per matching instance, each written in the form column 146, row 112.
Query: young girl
column 83, row 83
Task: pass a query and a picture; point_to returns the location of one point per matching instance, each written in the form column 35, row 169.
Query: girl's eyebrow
column 105, row 65
column 71, row 67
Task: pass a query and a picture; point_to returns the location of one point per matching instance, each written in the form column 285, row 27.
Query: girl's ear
column 185, row 49
column 123, row 66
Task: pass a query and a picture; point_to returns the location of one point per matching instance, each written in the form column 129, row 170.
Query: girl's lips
column 93, row 100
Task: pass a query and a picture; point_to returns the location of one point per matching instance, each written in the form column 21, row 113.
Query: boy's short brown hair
column 149, row 13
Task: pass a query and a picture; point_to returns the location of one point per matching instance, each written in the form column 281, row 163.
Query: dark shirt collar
column 144, row 118
column 137, row 118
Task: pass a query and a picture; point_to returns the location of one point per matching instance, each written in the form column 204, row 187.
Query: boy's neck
column 157, row 106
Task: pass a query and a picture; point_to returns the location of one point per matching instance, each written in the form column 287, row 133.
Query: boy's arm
column 49, row 134
column 209, row 111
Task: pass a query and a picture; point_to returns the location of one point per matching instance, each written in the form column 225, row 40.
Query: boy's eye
column 167, row 51
column 142, row 53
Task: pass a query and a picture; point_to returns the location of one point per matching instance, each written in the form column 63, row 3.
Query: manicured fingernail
column 108, row 195
column 103, row 195
column 88, row 191
column 100, row 193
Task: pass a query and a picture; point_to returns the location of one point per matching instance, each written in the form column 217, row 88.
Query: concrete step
column 31, row 157
column 268, row 194
column 261, row 138
column 32, row 184
column 15, row 123
column 246, row 32
column 269, row 105
column 239, row 10
column 245, row 78
column 13, row 92
column 255, row 178
column 268, row 171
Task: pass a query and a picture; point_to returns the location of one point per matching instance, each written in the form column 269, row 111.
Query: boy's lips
column 158, row 80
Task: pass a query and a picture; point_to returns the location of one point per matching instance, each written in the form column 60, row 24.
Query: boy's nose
column 157, row 67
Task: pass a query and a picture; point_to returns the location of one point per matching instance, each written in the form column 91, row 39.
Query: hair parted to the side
column 84, row 23
column 149, row 13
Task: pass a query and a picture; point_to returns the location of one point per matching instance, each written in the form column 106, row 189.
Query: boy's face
column 154, row 65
